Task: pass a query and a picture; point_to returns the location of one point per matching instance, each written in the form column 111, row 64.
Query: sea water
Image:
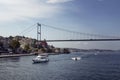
column 91, row 66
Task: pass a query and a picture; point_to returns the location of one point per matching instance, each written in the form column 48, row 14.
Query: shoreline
column 18, row 55
column 14, row 55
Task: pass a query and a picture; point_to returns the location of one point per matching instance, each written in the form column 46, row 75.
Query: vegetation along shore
column 20, row 45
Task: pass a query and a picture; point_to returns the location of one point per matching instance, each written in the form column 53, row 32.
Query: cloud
column 58, row 1
column 23, row 9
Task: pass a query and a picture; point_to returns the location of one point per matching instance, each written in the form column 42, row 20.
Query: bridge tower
column 38, row 32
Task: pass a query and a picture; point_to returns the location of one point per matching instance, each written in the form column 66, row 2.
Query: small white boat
column 76, row 58
column 40, row 59
column 95, row 54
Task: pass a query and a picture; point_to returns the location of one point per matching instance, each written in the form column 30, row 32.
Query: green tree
column 10, row 37
column 1, row 44
column 27, row 47
column 42, row 50
column 14, row 44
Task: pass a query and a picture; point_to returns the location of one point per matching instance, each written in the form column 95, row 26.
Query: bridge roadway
column 83, row 40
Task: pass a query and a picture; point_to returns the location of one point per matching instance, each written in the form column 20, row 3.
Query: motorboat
column 76, row 58
column 40, row 59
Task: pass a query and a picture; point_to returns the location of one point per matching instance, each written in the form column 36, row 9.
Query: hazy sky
column 88, row 16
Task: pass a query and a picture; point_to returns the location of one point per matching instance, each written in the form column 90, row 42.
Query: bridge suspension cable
column 73, row 35
column 28, row 29
column 85, row 34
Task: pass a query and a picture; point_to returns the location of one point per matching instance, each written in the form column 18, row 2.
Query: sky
column 87, row 16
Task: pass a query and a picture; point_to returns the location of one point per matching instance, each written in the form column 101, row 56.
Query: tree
column 42, row 50
column 1, row 45
column 14, row 44
column 10, row 37
column 27, row 47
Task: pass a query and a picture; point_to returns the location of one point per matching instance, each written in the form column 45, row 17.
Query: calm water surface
column 101, row 66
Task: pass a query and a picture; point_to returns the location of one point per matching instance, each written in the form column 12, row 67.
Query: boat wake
column 76, row 58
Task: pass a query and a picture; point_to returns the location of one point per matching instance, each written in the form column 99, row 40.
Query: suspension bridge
column 55, row 34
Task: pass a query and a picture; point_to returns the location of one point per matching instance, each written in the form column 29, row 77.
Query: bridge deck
column 83, row 40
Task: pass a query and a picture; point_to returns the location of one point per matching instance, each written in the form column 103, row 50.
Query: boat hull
column 40, row 61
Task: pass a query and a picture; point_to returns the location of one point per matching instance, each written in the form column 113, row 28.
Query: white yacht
column 40, row 59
